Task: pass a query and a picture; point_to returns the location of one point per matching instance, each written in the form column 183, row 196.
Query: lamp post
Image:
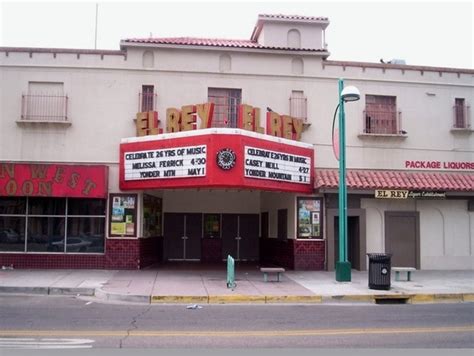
column 343, row 266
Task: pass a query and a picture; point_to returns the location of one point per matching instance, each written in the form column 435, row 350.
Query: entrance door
column 402, row 237
column 353, row 241
column 249, row 228
column 240, row 236
column 182, row 236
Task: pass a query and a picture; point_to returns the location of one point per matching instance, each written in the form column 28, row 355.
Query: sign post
column 230, row 272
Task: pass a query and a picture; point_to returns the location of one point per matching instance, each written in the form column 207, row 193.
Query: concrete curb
column 180, row 299
column 293, row 299
column 131, row 298
column 419, row 298
column 47, row 290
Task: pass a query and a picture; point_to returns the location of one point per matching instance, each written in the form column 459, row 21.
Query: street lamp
column 343, row 266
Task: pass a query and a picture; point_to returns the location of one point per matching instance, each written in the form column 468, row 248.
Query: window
column 152, row 212
column 381, row 116
column 212, row 225
column 461, row 114
column 309, row 218
column 147, row 98
column 52, row 225
column 298, row 105
column 226, row 106
column 45, row 101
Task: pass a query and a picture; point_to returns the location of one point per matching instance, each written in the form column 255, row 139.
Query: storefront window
column 151, row 216
column 309, row 218
column 12, row 206
column 45, row 234
column 12, row 233
column 47, row 220
column 212, row 225
column 86, row 207
column 46, row 206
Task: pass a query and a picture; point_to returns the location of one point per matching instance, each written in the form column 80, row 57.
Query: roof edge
column 63, row 50
column 397, row 66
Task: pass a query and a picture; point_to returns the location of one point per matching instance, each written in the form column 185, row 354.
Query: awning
column 374, row 179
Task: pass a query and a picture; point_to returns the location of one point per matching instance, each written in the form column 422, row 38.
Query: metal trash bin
column 379, row 270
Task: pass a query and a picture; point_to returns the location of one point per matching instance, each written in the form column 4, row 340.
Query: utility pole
column 96, row 18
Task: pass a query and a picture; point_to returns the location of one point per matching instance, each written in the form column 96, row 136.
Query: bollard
column 230, row 272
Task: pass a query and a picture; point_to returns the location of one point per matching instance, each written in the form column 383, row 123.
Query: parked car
column 9, row 235
column 74, row 244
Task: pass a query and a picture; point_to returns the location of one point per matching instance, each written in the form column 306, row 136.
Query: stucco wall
column 103, row 101
column 271, row 203
column 446, row 230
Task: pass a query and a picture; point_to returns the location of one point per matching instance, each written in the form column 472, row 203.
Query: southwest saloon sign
column 53, row 180
column 226, row 158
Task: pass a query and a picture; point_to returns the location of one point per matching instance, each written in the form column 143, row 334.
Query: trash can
column 379, row 271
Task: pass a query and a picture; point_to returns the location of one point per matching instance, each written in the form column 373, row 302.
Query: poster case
column 309, row 218
column 123, row 215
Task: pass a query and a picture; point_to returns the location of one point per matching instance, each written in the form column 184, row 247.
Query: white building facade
column 72, row 121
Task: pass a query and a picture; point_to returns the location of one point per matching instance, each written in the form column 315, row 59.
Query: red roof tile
column 293, row 17
column 365, row 179
column 213, row 42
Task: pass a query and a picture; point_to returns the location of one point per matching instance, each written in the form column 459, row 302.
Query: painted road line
column 246, row 333
column 44, row 343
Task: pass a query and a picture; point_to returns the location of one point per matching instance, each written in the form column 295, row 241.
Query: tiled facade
column 120, row 254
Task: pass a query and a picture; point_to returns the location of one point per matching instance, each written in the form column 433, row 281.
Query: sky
column 421, row 33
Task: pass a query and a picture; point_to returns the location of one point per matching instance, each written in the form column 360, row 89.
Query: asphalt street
column 68, row 322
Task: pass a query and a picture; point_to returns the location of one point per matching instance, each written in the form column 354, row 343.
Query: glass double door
column 240, row 236
column 182, row 236
column 183, row 233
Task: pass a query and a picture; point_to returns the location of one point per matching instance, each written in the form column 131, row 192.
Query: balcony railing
column 461, row 117
column 147, row 102
column 382, row 122
column 47, row 108
column 298, row 107
column 226, row 110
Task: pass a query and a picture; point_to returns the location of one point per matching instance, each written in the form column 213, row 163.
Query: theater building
column 191, row 149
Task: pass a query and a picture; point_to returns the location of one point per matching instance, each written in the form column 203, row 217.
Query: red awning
column 368, row 179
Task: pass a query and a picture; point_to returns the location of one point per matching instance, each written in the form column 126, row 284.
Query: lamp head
column 350, row 93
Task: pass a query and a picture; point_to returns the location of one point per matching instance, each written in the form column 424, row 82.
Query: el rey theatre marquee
column 240, row 158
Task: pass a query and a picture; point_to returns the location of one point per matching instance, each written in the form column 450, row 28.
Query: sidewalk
column 198, row 284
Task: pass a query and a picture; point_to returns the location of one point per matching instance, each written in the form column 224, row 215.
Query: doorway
column 240, row 236
column 402, row 238
column 353, row 241
column 356, row 236
column 182, row 236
